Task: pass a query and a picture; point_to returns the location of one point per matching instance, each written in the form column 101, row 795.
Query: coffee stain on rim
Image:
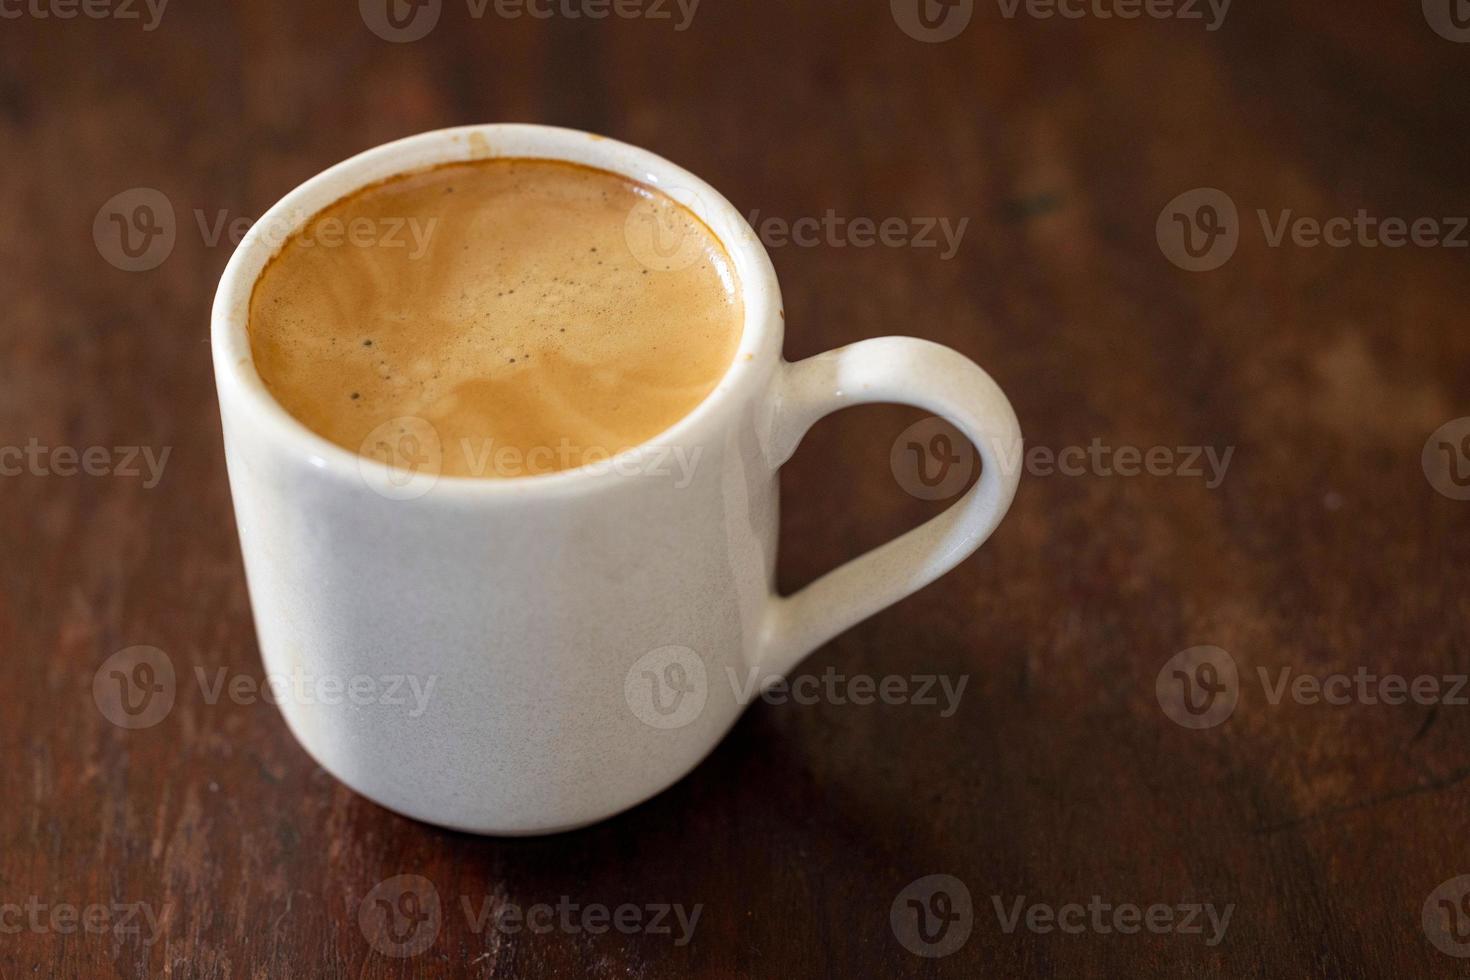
column 480, row 148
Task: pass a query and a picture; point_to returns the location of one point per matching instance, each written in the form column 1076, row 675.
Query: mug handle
column 907, row 371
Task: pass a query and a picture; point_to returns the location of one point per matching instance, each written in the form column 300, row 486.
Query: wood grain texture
column 1324, row 550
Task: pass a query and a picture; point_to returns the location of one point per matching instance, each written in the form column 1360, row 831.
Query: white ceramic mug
column 530, row 655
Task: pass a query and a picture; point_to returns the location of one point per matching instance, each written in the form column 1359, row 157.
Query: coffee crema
column 527, row 315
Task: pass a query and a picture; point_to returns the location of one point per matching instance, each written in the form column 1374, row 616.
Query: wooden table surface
column 1060, row 791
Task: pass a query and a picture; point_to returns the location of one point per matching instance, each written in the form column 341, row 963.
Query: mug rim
column 234, row 363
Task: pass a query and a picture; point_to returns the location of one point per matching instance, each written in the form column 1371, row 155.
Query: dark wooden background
column 1325, row 549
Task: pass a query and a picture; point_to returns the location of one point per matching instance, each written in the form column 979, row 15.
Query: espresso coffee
column 528, row 315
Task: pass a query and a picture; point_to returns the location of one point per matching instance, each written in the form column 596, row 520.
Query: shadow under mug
column 531, row 655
